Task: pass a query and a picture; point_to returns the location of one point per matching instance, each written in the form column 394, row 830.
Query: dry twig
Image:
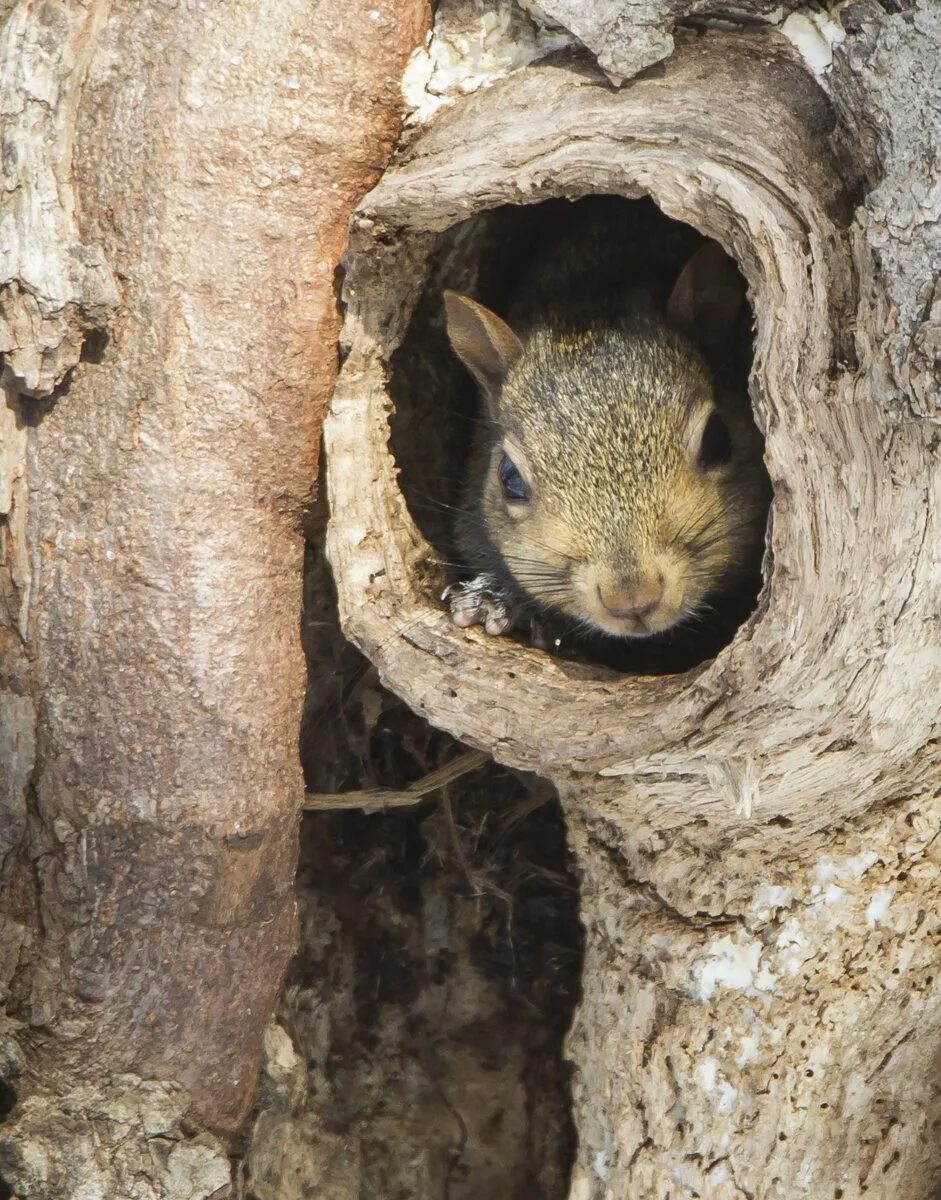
column 377, row 799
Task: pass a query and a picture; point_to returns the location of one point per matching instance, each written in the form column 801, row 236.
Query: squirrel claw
column 478, row 602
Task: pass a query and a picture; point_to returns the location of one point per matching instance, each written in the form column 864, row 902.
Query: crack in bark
column 916, row 561
column 887, row 1057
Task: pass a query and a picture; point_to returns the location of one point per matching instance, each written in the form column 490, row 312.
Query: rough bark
column 53, row 287
column 152, row 549
column 757, row 838
column 627, row 36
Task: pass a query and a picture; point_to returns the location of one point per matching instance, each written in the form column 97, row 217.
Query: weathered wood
column 776, row 203
column 54, row 288
column 626, row 38
column 757, row 838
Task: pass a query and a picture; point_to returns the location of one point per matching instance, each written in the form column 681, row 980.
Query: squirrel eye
column 514, row 486
column 716, row 444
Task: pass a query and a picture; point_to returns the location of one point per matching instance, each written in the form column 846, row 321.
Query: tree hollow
column 734, row 137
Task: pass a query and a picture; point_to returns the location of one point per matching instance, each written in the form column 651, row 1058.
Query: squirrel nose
column 637, row 599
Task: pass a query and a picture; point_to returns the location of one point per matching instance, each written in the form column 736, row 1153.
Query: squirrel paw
column 478, row 601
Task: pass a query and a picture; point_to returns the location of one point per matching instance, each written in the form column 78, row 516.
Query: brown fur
column 603, row 415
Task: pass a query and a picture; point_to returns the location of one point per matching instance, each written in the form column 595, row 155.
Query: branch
column 377, row 799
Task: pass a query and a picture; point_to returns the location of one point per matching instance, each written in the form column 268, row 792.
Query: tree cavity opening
column 438, row 410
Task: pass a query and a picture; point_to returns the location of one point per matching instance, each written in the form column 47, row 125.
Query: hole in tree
column 539, row 267
column 95, row 346
column 8, row 1099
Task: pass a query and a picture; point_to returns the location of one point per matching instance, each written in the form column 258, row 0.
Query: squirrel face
column 619, row 487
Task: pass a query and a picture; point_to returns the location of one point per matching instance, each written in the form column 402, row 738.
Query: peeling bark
column 54, row 289
column 627, row 36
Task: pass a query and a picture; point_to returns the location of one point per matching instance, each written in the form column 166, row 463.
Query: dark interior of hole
column 7, row 1099
column 438, row 412
column 440, row 949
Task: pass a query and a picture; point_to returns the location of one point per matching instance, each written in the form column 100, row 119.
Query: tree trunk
column 152, row 502
column 757, row 838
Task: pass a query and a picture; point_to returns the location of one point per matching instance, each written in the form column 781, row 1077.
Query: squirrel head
column 622, row 487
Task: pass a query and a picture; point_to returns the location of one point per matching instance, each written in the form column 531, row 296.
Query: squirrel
column 618, row 487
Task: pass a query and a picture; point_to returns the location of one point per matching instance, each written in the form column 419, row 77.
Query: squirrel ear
column 707, row 297
column 484, row 343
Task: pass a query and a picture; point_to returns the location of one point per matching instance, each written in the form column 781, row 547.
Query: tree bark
column 152, row 548
column 758, row 837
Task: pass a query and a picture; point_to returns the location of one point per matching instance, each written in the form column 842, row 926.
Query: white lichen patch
column 859, row 864
column 601, row 1163
column 824, row 871
column 706, row 1074
column 471, row 46
column 878, row 907
column 846, row 872
column 769, row 897
column 729, row 964
column 748, row 1050
column 727, row 1097
column 715, row 1085
column 791, row 944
